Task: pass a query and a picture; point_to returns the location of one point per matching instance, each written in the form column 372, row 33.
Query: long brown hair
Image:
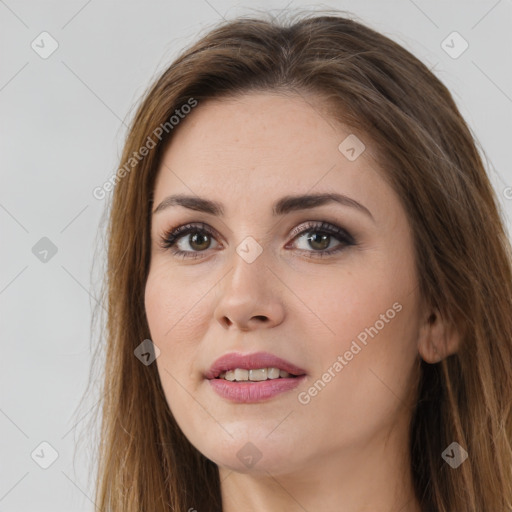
column 463, row 257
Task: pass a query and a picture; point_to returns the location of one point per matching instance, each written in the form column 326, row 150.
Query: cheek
column 175, row 328
column 364, row 366
column 341, row 304
column 174, row 305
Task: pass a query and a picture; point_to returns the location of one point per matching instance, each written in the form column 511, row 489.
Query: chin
column 255, row 454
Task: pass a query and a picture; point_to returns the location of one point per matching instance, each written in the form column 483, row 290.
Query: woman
column 309, row 286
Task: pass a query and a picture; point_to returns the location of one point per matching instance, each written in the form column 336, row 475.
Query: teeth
column 241, row 374
column 255, row 375
column 272, row 373
column 229, row 375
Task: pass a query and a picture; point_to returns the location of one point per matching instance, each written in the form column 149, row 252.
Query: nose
column 249, row 296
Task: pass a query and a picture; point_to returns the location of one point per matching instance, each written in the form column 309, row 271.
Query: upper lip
column 250, row 362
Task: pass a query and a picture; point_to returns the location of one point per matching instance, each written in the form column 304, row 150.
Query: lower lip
column 249, row 392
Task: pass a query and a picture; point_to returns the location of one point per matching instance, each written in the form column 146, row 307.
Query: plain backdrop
column 63, row 120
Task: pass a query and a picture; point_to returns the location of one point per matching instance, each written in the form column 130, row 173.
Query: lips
column 251, row 362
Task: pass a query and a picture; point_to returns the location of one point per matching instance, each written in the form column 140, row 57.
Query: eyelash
column 169, row 238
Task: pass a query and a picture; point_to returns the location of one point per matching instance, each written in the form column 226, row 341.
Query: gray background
column 63, row 119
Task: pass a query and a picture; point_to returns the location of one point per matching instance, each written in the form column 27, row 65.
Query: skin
column 347, row 449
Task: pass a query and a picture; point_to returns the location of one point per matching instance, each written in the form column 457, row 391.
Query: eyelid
column 322, row 226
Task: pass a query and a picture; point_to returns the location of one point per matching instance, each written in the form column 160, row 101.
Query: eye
column 320, row 235
column 201, row 238
column 189, row 240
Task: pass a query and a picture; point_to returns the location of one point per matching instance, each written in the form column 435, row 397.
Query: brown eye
column 199, row 241
column 317, row 239
column 319, row 242
column 188, row 240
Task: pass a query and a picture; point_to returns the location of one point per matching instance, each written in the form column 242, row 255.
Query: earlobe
column 437, row 340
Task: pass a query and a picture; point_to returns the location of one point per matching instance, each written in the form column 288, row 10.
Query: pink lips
column 247, row 392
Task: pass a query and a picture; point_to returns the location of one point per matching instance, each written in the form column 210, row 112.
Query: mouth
column 253, row 378
column 256, row 367
column 255, row 374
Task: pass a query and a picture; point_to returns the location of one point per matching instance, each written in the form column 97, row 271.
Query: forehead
column 260, row 145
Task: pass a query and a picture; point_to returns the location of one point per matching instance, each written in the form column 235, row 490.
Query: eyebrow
column 283, row 206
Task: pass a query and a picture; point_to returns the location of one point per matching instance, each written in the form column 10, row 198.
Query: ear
column 437, row 340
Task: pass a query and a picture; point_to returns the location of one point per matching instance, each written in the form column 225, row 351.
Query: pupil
column 321, row 239
column 196, row 237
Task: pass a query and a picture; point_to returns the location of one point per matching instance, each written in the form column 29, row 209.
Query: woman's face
column 341, row 307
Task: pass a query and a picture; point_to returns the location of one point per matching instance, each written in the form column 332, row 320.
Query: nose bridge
column 247, row 291
column 249, row 263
